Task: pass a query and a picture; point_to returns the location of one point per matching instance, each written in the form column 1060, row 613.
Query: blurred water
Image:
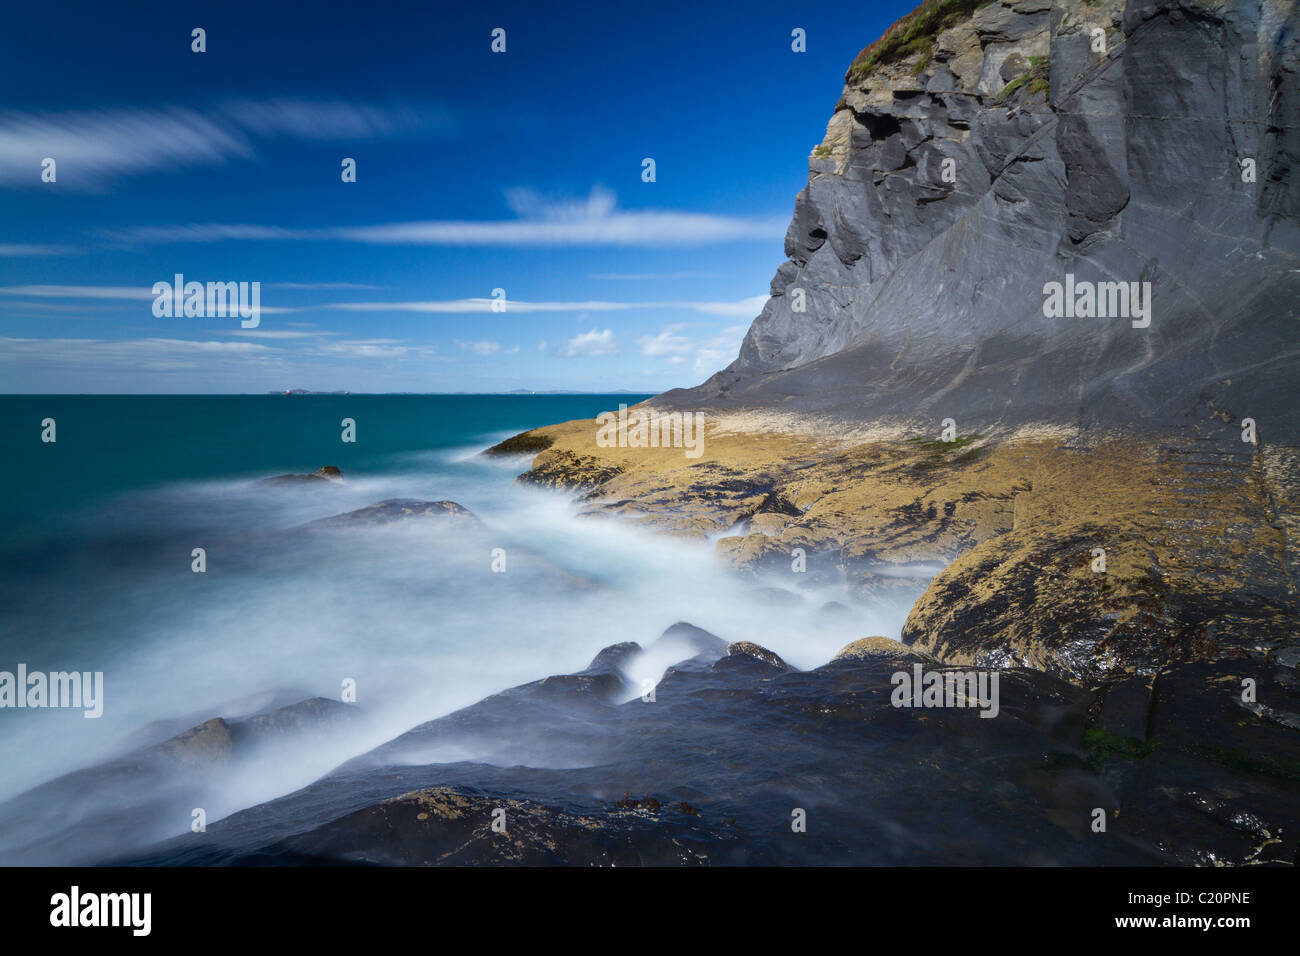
column 97, row 571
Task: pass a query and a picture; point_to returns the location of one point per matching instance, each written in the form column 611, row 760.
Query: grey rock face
column 951, row 196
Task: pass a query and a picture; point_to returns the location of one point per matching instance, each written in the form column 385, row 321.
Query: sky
column 521, row 171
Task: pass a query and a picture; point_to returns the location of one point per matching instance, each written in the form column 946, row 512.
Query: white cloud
column 719, row 351
column 105, row 292
column 666, row 343
column 471, row 306
column 92, row 147
column 480, row 347
column 141, row 355
column 280, row 334
column 17, row 249
column 710, row 354
column 745, row 307
column 78, row 291
column 334, row 119
column 587, row 344
column 316, row 286
column 647, row 276
column 166, row 354
column 372, row 349
column 594, row 221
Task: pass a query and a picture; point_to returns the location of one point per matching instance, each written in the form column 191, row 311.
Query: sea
column 100, row 531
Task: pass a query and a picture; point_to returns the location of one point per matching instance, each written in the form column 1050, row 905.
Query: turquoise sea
column 111, row 444
column 98, row 529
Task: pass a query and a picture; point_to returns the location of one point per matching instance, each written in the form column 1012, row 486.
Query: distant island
column 303, row 391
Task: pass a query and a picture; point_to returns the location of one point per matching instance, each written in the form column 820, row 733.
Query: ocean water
column 98, row 530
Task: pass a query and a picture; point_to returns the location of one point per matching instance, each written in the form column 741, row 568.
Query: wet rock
column 630, row 803
column 323, row 474
column 562, row 468
column 777, row 597
column 442, row 826
column 1189, row 755
column 312, row 715
column 149, row 793
column 683, row 641
column 739, row 746
column 525, row 443
column 875, row 647
column 614, row 658
column 399, row 509
column 209, row 745
column 748, row 649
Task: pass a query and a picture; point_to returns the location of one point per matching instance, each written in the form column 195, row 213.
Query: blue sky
column 475, row 171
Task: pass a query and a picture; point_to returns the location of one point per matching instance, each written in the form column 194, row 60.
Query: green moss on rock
column 525, row 443
column 914, row 33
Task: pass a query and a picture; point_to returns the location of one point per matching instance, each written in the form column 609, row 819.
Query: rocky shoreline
column 1177, row 643
column 1095, row 516
column 1138, row 717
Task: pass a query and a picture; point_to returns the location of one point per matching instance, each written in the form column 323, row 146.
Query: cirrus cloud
column 594, row 221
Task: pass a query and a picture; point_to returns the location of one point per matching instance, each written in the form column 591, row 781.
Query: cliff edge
column 1141, row 156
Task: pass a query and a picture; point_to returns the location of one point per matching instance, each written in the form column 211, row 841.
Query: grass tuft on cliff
column 914, row 33
column 1034, row 80
column 939, row 444
column 937, row 452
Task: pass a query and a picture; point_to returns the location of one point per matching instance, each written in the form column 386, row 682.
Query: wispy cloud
column 280, row 334
column 473, row 306
column 649, row 276
column 718, row 351
column 23, row 249
column 93, row 147
column 317, row 286
column 744, row 307
column 142, row 355
column 103, row 293
column 710, row 353
column 78, row 291
column 480, row 347
column 372, row 349
column 586, row 344
column 335, row 119
column 169, row 354
column 594, row 221
column 666, row 343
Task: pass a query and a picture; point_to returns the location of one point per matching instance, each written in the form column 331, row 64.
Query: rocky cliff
column 1073, row 228
column 981, row 151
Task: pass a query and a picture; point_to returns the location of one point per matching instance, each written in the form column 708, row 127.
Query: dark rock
column 612, row 659
column 647, row 803
column 399, row 509
column 743, row 745
column 324, row 474
column 777, row 597
column 682, row 641
column 751, row 650
column 444, row 826
column 1127, row 170
column 525, row 443
column 877, row 647
column 149, row 793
